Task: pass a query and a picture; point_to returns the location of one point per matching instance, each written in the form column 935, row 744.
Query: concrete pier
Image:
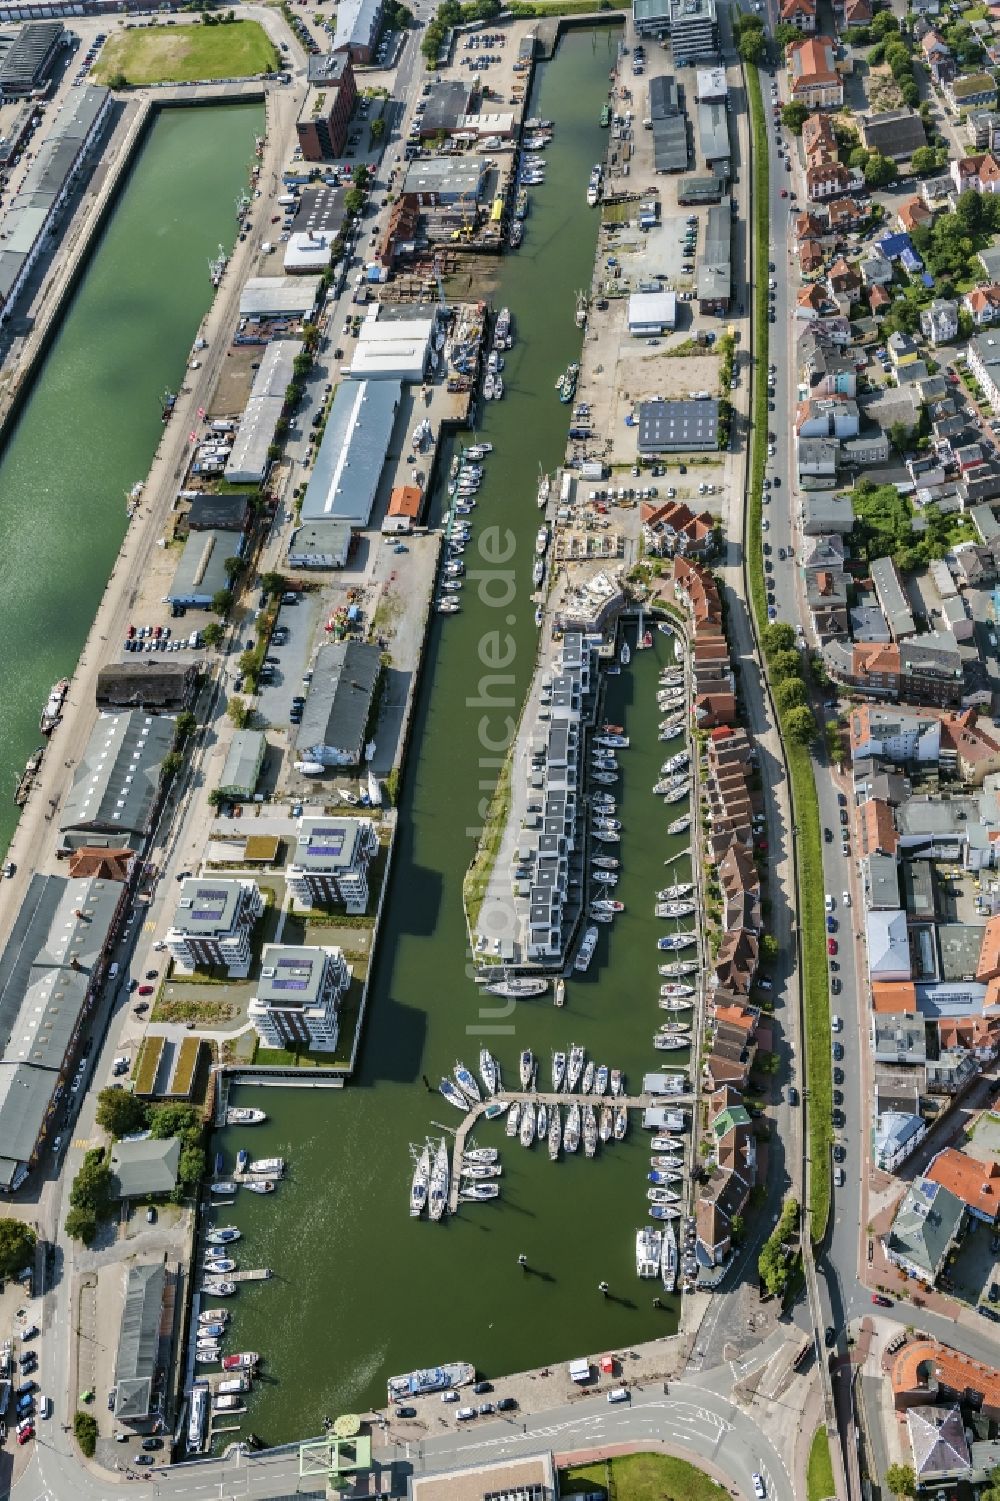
column 551, row 1098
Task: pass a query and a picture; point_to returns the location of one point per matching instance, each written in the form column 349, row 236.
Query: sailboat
column 527, row 1068
column 440, row 1180
column 421, row 1182
column 527, row 1124
column 555, row 1132
column 489, row 1071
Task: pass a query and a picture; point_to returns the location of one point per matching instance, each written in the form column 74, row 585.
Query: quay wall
column 65, row 275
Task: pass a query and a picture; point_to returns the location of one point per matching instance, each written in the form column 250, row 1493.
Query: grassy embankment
column 185, row 54
column 815, row 993
column 642, row 1477
column 819, row 1476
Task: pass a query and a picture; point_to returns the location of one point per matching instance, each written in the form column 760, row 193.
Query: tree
column 360, row 176
column 900, row 434
column 212, row 634
column 769, row 948
column 17, row 1246
column 778, row 636
column 185, row 724
column 834, row 742
column 794, row 116
column 240, row 712
column 786, row 664
column 175, row 1120
column 120, row 1113
column 879, row 171
column 752, row 46
column 85, row 1431
column 785, row 34
column 222, row 602
column 924, row 161
column 789, row 694
column 402, row 18
column 190, row 1170
column 901, row 1480
column 272, row 582
column 354, row 202
column 377, row 129
column 232, row 567
column 81, row 1224
column 800, row 726
column 736, row 1227
column 171, row 764
column 92, row 1185
column 216, row 798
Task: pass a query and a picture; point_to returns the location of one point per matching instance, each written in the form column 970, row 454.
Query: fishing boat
column 26, row 780
column 648, row 1252
column 586, row 950
column 513, row 1118
column 544, row 491
column 526, row 1068
column 558, row 1071
column 676, row 941
column 674, row 909
column 669, row 1042
column 243, row 1115
column 243, row 1360
column 574, row 1071
column 680, row 825
column 587, row 1081
column 527, row 1132
column 224, row 1236
column 440, row 1181
column 617, row 1082
column 589, row 1130
column 223, row 1188
column 213, row 1316
column 542, row 1122
column 621, row 1122
column 571, row 1132
column 607, row 1123
column 420, row 1184
column 554, row 1132
column 470, row 1192
column 52, row 709
column 489, row 1071
column 559, row 994
column 678, row 968
column 467, row 1083
column 433, row 1379
column 668, row 1265
column 517, row 988
column 454, row 1095
column 674, row 988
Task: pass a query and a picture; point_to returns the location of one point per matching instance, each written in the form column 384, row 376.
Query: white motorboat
column 527, row 1132
column 607, row 1123
column 663, row 1196
column 586, row 950
column 679, row 825
column 260, row 1186
column 513, row 1118
column 467, row 1083
column 541, row 540
column 605, row 862
column 607, row 906
column 678, row 968
column 489, row 1071
column 648, row 1252
column 224, row 1188
column 420, row 1183
column 667, row 1143
column 605, row 877
column 213, row 1316
column 621, row 1122
column 601, row 1079
column 674, row 909
column 526, row 1068
column 675, row 1004
column 674, row 893
column 571, row 1132
column 480, row 1171
column 617, row 1083
column 558, row 1071
column 471, row 1192
column 587, row 1081
column 225, row 1235
column 668, row 1265
column 672, row 1164
column 673, row 988
column 574, row 1071
column 606, row 778
column 612, row 742
column 625, row 655
column 243, row 1115
column 440, row 1182
column 480, row 1155
column 607, row 836
column 555, row 1132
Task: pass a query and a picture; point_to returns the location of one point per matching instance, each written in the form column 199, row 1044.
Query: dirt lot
column 231, row 393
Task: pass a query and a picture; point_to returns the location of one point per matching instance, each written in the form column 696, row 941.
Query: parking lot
column 290, row 661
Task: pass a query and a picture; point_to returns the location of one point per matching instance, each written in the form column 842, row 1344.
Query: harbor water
column 91, row 422
column 362, row 1292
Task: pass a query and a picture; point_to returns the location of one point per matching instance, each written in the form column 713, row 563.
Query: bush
column 85, row 1432
column 773, row 1263
column 17, row 1246
column 81, row 1224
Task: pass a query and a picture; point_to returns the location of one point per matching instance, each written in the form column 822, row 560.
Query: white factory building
column 392, row 349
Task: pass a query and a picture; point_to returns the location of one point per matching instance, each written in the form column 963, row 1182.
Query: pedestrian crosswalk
column 81, row 1141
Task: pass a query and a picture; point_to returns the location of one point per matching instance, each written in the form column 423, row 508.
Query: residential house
column 819, row 141
column 913, row 213
column 299, row 996
column 983, row 304
column 984, row 363
column 811, row 257
column 938, row 57
column 844, row 214
column 895, row 1137
column 971, row 91
column 856, row 12
column 826, row 596
column 826, row 180
column 901, row 349
column 843, row 278
column 888, row 946
column 903, row 737
column 875, row 267
column 951, row 1071
column 981, row 174
column 975, row 1183
column 812, row 74
column 799, row 13
column 877, row 838
column 817, row 554
column 939, row 1447
column 923, row 1368
column 926, row 1227
column 813, row 224
column 670, row 527
column 879, row 301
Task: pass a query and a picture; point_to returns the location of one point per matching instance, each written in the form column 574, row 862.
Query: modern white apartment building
column 213, row 925
column 298, row 997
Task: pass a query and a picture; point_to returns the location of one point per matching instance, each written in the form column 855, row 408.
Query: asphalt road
column 696, row 1418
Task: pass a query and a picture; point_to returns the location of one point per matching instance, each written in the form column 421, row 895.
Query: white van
column 113, row 971
column 619, row 1394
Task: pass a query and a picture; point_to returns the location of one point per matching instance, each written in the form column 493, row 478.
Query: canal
column 91, row 422
column 362, row 1292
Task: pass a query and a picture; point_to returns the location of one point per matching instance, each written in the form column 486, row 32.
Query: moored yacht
column 420, row 1183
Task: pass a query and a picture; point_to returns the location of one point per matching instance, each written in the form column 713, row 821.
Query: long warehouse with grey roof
column 348, row 467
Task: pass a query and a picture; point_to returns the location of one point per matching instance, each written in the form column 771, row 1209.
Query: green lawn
column 642, row 1477
column 186, row 54
column 819, row 1477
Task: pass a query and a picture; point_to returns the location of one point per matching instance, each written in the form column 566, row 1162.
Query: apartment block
column 214, row 923
column 330, row 864
column 298, row 996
